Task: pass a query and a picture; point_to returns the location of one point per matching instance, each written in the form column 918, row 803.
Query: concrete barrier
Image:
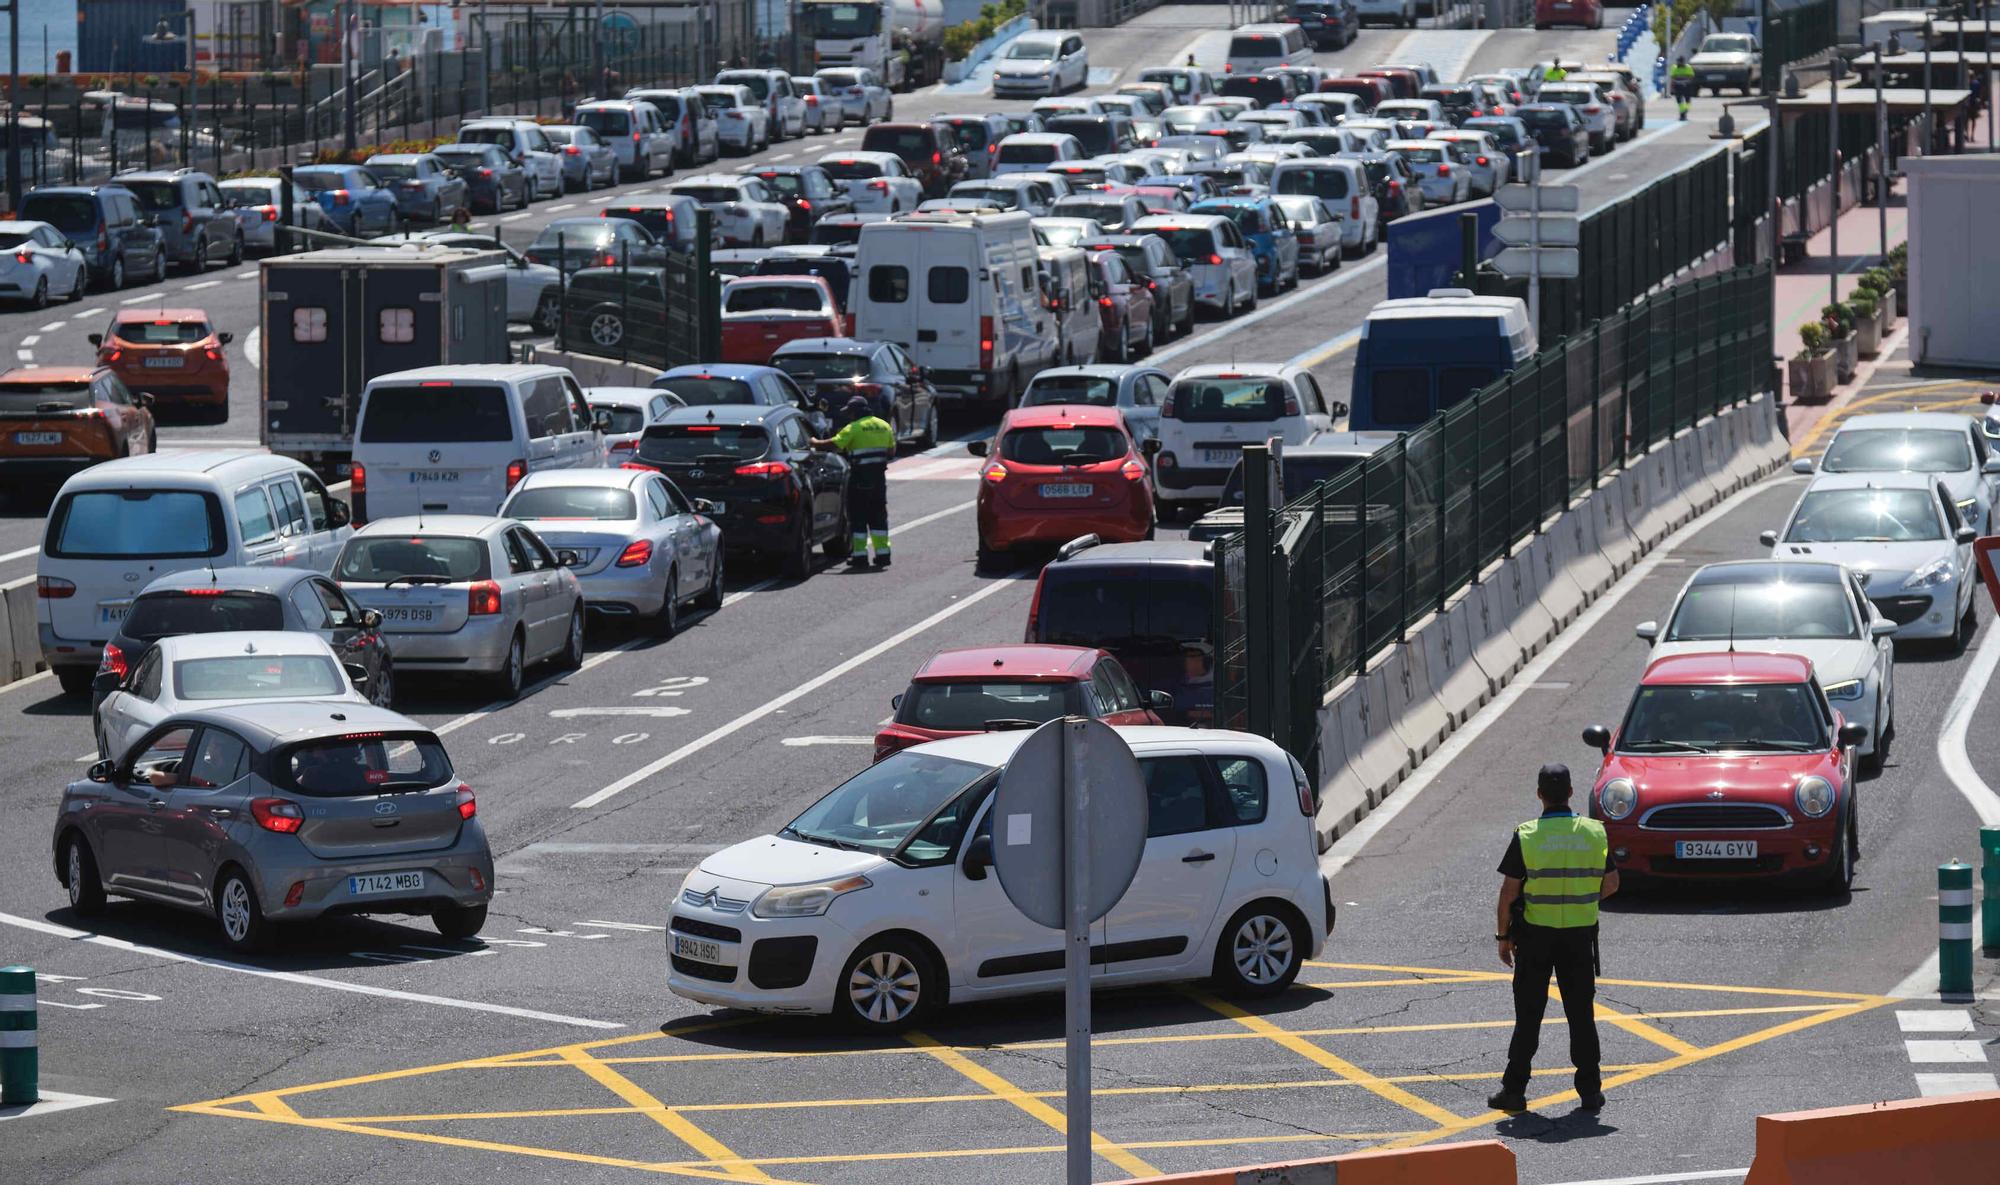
column 1691, row 474
column 1718, row 448
column 1413, row 705
column 1343, row 794
column 21, row 625
column 1461, row 687
column 9, row 668
column 1385, row 758
column 1543, row 559
column 1533, row 624
column 1496, row 649
column 1590, row 567
column 1657, row 506
column 1953, row 1139
column 1619, row 546
column 592, row 371
column 1473, row 1162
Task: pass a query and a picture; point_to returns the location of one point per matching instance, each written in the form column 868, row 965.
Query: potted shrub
column 1811, row 369
column 1899, row 271
column 1883, row 281
column 1839, row 322
column 1867, row 323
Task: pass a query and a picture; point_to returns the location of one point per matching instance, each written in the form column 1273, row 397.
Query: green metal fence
column 1359, row 559
column 1793, row 34
column 663, row 311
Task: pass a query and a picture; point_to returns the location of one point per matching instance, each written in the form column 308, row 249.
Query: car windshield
column 1066, row 232
column 971, row 132
column 238, row 197
column 1727, row 43
column 773, row 298
column 908, row 143
column 365, row 766
column 435, row 412
column 155, row 196
column 1190, row 244
column 714, row 101
column 976, row 706
column 1301, row 208
column 133, row 524
column 758, row 82
column 1063, row 446
column 500, row 136
column 1039, row 50
column 784, row 184
column 1228, row 400
column 837, row 78
column 1762, row 609
column 823, row 366
column 54, row 395
column 440, row 559
column 71, row 213
column 1679, row 718
column 623, row 418
column 912, row 802
column 465, row 157
column 558, row 134
column 574, row 233
column 1158, row 612
column 1421, row 156
column 1299, row 474
column 1071, row 388
column 1248, row 219
column 832, row 232
column 1542, row 118
column 546, row 503
column 1865, row 516
column 1004, row 197
column 688, row 444
column 318, row 182
column 163, row 332
column 1899, row 450
column 388, row 172
column 707, row 392
column 709, row 195
column 258, row 676
column 1109, row 214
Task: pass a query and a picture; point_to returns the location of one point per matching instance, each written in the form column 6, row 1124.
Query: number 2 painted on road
column 674, row 685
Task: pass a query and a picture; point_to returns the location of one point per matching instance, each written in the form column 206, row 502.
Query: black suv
column 808, row 193
column 1559, row 130
column 104, row 221
column 1395, row 187
column 1150, row 604
column 622, row 312
column 1328, row 24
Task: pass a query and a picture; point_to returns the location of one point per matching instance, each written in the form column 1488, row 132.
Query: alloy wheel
column 235, row 909
column 885, row 987
column 1262, row 949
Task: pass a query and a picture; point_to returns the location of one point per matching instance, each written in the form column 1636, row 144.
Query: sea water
column 48, row 27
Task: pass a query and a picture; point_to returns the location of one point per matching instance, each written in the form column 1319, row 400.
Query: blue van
column 1421, row 355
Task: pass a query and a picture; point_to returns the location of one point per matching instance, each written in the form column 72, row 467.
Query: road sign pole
column 1076, row 961
column 1535, row 248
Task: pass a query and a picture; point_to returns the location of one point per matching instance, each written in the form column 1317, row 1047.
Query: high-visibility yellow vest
column 1564, row 855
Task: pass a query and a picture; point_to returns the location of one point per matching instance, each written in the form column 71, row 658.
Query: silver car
column 1944, row 444
column 623, row 414
column 826, row 110
column 643, row 549
column 466, row 593
column 863, row 97
column 259, row 203
column 1318, row 231
column 189, row 672
column 279, row 812
column 1136, row 391
column 422, row 184
column 587, row 161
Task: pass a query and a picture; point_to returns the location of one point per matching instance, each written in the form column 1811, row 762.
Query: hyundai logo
column 385, row 808
column 694, row 473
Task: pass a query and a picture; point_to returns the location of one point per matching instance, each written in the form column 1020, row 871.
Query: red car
column 1125, row 311
column 1057, row 472
column 957, row 692
column 173, row 354
column 1730, row 765
column 1588, row 14
column 761, row 313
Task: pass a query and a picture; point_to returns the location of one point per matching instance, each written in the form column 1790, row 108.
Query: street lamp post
column 14, row 108
column 1930, row 117
column 348, row 133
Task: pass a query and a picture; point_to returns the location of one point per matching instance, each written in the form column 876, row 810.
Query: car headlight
column 1814, row 796
column 805, row 901
column 1617, row 798
column 1851, row 689
column 1930, row 575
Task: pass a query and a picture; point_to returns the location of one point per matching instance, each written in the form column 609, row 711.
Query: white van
column 116, row 527
column 1254, row 49
column 1070, row 290
column 635, row 133
column 958, row 291
column 456, row 439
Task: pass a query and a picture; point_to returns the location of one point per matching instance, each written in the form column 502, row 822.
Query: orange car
column 56, row 420
column 174, row 354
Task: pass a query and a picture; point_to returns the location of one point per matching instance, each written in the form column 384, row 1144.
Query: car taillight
column 1395, row 189
column 994, row 471
column 805, row 204
column 483, row 599
column 486, row 172
column 1132, row 470
column 1444, row 170
column 468, row 806
column 635, row 137
column 1167, row 407
column 1481, row 160
column 1593, row 109
column 573, row 150
column 113, row 662
column 1214, row 260
column 986, row 343
column 54, row 588
column 937, row 158
column 339, row 197
column 1354, row 206
column 1291, row 405
column 879, row 186
column 636, row 465
column 625, row 446
column 516, row 470
column 1152, row 285
column 1305, row 796
column 103, row 238
column 610, row 260
column 187, row 222
column 23, row 257
column 1034, row 612
column 1106, row 301
column 764, row 469
column 212, row 354
column 276, row 814
column 114, row 354
column 636, row 553
column 357, row 478
column 270, row 213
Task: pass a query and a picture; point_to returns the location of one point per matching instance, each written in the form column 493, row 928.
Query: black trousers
column 868, row 501
column 1572, row 957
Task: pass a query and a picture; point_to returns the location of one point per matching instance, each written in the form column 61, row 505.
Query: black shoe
column 881, row 561
column 857, row 561
column 1594, row 1101
column 1508, row 1100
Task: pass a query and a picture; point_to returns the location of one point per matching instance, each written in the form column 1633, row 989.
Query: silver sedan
column 587, row 161
column 466, row 593
column 1318, row 231
column 190, row 672
column 863, row 97
column 643, row 549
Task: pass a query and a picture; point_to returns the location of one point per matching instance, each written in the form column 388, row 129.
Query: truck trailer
column 901, row 40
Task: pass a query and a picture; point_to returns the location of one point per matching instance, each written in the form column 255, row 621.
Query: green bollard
column 19, row 1065
column 1955, row 929
column 1989, row 917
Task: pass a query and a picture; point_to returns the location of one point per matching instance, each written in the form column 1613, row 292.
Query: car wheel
column 1840, row 868
column 382, row 693
column 437, row 211
column 889, row 983
column 236, row 251
column 711, row 597
column 159, row 267
column 667, row 622
column 1150, row 341
column 82, row 282
column 199, row 259
column 1229, row 304
column 115, row 278
column 931, row 426
column 547, row 311
column 757, row 237
column 572, row 652
column 798, row 563
column 40, row 300
column 86, row 887
column 237, row 912
column 1261, row 950
column 75, row 680
column 606, row 325
column 1187, row 321
column 1125, row 342
column 1961, row 634
column 459, row 922
column 513, row 672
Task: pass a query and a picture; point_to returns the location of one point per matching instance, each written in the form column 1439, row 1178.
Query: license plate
column 166, row 362
column 429, row 476
column 700, row 950
column 37, row 438
column 1220, row 456
column 385, row 882
column 416, row 613
column 1052, row 490
column 108, row 614
column 1715, row 849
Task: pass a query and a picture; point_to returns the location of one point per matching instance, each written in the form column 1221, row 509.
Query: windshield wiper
column 1765, row 743
column 403, row 787
column 1668, row 746
column 415, row 580
column 828, row 840
column 1083, row 459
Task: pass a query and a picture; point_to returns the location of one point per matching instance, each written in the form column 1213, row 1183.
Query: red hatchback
column 981, row 688
column 1054, row 473
column 1588, row 14
column 1730, row 765
column 761, row 313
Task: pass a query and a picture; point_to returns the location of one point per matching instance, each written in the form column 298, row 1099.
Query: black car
column 1396, row 190
column 118, row 240
column 808, row 192
column 572, row 244
column 772, row 493
column 1559, row 130
column 1460, row 103
column 842, row 229
column 1268, row 89
column 1100, row 135
column 227, row 600
column 836, row 369
column 1328, row 24
column 620, row 312
column 1149, row 604
column 493, row 180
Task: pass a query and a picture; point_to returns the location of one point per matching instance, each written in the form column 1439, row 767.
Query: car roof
column 1152, row 551
column 1103, row 370
column 221, row 463
column 622, row 479
column 1789, row 571
column 396, row 158
column 265, row 578
column 470, row 371
column 1015, row 660
column 169, row 313
column 1728, row 667
column 1177, row 221
column 233, row 642
column 623, row 396
column 1232, row 370
column 720, row 370
column 1905, row 419
column 270, row 723
column 1051, row 415
column 435, row 524
column 50, row 374
column 1342, row 444
column 995, row 748
column 1886, row 479
column 825, row 345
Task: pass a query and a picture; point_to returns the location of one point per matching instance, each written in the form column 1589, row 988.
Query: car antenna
column 1732, row 619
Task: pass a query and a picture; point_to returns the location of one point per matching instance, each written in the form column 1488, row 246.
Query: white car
column 1319, row 232
column 880, row 901
column 533, row 289
column 523, row 140
column 772, row 90
column 1903, row 539
column 1007, row 193
column 1216, row 255
column 624, row 413
column 878, row 182
column 1813, row 609
column 1726, row 59
column 746, row 213
column 1074, row 105
column 826, row 111
column 1940, row 443
column 38, row 264
column 1600, row 118
column 1066, row 232
column 196, row 672
column 1042, row 62
column 742, row 124
column 864, row 100
column 1440, row 173
column 1193, row 120
column 1212, row 411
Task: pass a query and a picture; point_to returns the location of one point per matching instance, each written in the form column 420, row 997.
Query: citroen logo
column 707, row 898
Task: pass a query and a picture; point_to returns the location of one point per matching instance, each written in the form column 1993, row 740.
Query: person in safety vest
column 868, row 443
column 1556, row 871
column 1681, row 82
column 1555, row 73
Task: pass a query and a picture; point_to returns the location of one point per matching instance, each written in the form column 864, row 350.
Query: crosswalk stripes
column 1941, row 1037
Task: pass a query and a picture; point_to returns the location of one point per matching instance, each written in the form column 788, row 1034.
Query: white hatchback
column 879, row 903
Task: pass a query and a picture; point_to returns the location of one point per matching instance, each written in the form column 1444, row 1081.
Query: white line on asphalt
column 932, row 517
column 31, row 339
column 21, row 554
column 295, row 977
column 143, row 297
column 37, row 677
column 248, row 273
column 623, row 926
column 792, row 696
column 782, row 156
column 52, row 326
column 1934, row 1021
column 1935, row 1086
column 253, row 347
column 517, row 217
column 52, row 1100
column 80, row 314
column 804, row 742
column 599, row 201
column 1951, row 750
column 1665, row 1178
column 1347, row 847
column 1936, row 1052
column 564, row 206
column 25, row 355
column 202, row 285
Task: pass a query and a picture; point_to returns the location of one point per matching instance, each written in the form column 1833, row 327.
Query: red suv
column 1058, row 472
column 1730, row 765
column 981, row 688
column 1587, row 13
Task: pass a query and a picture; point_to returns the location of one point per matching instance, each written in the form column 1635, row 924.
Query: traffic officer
column 1556, row 73
column 1682, row 84
column 1556, row 870
column 869, row 443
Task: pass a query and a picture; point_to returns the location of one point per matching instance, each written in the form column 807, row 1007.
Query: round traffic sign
column 1074, row 766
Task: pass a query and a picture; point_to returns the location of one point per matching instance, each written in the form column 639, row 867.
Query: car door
column 222, row 226
column 1885, row 646
column 995, row 947
column 257, row 523
column 582, row 447
column 1171, row 904
column 1962, row 563
column 329, row 530
column 531, row 579
column 294, row 529
column 200, row 809
column 128, row 825
column 677, row 524
column 1142, row 415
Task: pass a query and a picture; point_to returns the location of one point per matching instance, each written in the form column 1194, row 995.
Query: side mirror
column 896, row 702
column 1150, row 447
column 371, row 619
column 1852, row 735
column 101, row 771
column 356, row 672
column 1992, row 465
column 978, row 857
column 96, row 339
column 1768, row 538
column 1965, row 534
column 225, row 338
column 337, row 513
column 978, row 448
column 566, row 558
column 1802, row 465
column 1649, row 630
column 704, row 506
column 1881, row 628
column 145, row 399
column 1162, row 700
column 600, row 419
column 1336, row 408
column 1597, row 737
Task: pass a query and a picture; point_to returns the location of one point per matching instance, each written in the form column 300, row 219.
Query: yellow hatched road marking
column 1639, row 1028
column 1211, row 1142
column 683, row 1128
column 1834, row 418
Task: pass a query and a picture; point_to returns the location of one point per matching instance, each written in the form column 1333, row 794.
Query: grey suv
column 197, row 222
column 279, row 812
column 104, row 222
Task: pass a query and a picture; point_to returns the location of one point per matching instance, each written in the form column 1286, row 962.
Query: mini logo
column 1715, row 794
column 385, row 808
column 436, row 456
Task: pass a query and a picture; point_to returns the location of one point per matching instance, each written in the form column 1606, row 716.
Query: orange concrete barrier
column 1942, row 1140
column 1479, row 1162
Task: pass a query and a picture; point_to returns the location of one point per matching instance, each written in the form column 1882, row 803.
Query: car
column 742, row 124
column 1947, row 446
column 466, row 594
column 1002, row 193
column 826, row 110
column 1510, row 139
column 570, row 244
column 669, row 217
column 1066, row 232
column 533, row 289
column 761, row 313
column 494, row 181
column 1625, row 116
column 842, row 230
column 621, row 311
column 863, row 98
column 835, row 369
column 1136, row 392
column 1365, row 91
column 771, row 491
column 687, row 117
column 928, row 153
column 984, row 688
column 642, row 549
column 1727, row 59
column 523, row 142
column 808, row 193
column 1188, row 83
column 1559, row 132
column 1600, row 116
column 1346, row 192
column 587, row 161
column 259, row 203
column 1216, row 255
column 354, row 202
column 190, row 672
column 64, row 419
column 1816, row 610
column 173, row 354
column 623, row 414
column 39, row 264
column 900, row 908
column 772, row 91
column 196, row 224
column 876, row 182
column 227, row 601
column 1324, row 457
column 1319, row 233
column 632, row 128
column 745, row 211
column 1055, row 473
column 1513, row 90
column 1149, row 258
column 270, row 813
column 424, row 188
column 1036, row 152
column 1438, row 168
column 1393, row 187
column 104, row 223
column 979, row 138
column 1902, row 535
column 1042, row 62
column 1729, row 765
column 1054, row 105
column 1487, row 166
column 1272, row 244
column 1328, row 24
column 1125, row 303
column 1213, row 410
column 1583, row 14
column 1401, row 14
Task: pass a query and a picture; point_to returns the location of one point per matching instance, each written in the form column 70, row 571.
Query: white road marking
column 663, row 712
column 248, row 273
column 17, row 555
column 31, row 339
column 1932, row 1052
column 143, row 297
column 51, row 327
column 803, row 742
column 782, row 156
column 624, row 926
column 37, row 677
column 1940, row 1021
column 202, row 285
column 80, row 314
column 25, row 355
column 517, row 217
column 253, row 347
column 797, row 693
column 564, row 206
column 52, row 1101
column 932, row 517
column 1934, row 1086
column 360, row 989
column 599, row 201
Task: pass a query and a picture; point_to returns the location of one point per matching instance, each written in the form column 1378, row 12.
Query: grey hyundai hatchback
column 279, row 812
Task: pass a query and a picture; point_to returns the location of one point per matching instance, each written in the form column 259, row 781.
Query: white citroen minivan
column 1254, row 49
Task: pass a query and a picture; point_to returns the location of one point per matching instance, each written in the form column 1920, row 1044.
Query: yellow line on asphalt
column 1469, row 977
column 1639, row 1028
column 1338, row 347
column 1834, row 417
column 684, row 1129
column 271, row 1104
column 1211, row 1142
column 1001, row 1088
